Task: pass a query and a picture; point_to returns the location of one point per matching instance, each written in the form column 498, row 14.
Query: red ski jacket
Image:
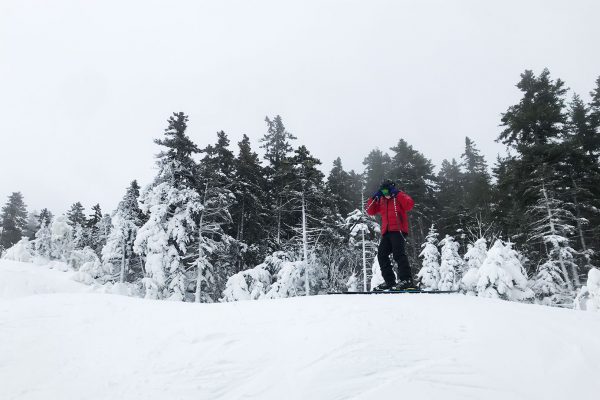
column 392, row 211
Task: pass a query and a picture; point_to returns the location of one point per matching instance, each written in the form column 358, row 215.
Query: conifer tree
column 172, row 205
column 476, row 181
column 76, row 215
column 450, row 198
column 474, row 257
column 429, row 275
column 377, row 168
column 451, row 266
column 502, row 275
column 277, row 150
column 341, row 187
column 249, row 214
column 12, row 220
column 46, row 216
column 119, row 242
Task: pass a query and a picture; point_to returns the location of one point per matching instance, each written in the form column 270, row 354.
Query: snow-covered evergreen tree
column 172, row 205
column 352, row 283
column 451, row 264
column 118, row 254
column 363, row 231
column 429, row 274
column 474, row 257
column 553, row 226
column 62, row 238
column 502, row 275
column 549, row 285
column 43, row 241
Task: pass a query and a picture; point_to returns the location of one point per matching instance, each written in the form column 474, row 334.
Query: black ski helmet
column 387, row 184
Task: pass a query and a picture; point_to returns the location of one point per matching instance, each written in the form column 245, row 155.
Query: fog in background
column 85, row 86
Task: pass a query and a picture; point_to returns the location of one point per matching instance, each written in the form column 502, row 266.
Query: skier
column 392, row 204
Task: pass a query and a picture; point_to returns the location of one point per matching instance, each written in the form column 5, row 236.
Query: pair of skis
column 390, row 291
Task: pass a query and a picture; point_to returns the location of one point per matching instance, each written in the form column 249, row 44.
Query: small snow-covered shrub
column 429, row 274
column 250, row 284
column 20, row 251
column 352, row 283
column 451, row 265
column 502, row 275
column 290, row 280
column 475, row 256
column 588, row 297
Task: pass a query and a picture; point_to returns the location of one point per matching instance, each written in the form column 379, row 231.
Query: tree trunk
column 123, row 264
column 305, row 248
column 200, row 249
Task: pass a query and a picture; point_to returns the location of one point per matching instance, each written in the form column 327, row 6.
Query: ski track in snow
column 60, row 341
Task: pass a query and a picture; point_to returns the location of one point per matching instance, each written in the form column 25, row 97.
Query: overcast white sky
column 85, row 86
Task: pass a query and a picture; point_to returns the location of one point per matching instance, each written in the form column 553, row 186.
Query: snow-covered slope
column 19, row 279
column 98, row 346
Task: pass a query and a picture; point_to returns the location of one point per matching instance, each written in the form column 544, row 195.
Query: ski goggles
column 385, row 191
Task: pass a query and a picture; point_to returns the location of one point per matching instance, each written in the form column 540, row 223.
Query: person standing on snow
column 392, row 205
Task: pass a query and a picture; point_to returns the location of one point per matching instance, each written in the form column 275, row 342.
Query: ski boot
column 383, row 287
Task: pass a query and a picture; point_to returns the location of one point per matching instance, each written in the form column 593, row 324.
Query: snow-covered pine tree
column 32, row 225
column 117, row 254
column 276, row 143
column 249, row 213
column 552, row 224
column 172, row 205
column 363, row 231
column 219, row 255
column 451, row 266
column 43, row 241
column 549, row 285
column 12, row 220
column 62, row 238
column 502, row 275
column 45, row 216
column 429, row 274
column 474, row 257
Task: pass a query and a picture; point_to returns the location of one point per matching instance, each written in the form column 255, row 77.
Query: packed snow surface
column 84, row 345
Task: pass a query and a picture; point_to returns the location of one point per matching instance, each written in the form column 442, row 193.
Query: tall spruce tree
column 249, row 214
column 118, row 254
column 76, row 215
column 172, row 204
column 12, row 220
column 377, row 168
column 533, row 128
column 339, row 186
column 476, row 180
column 276, row 143
column 451, row 199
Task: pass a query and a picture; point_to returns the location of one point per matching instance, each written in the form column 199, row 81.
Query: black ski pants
column 393, row 243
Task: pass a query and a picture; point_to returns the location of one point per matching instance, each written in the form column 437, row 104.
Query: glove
column 394, row 191
column 377, row 195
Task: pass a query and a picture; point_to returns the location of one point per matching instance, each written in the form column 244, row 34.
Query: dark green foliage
column 249, row 214
column 377, row 168
column 76, row 215
column 179, row 151
column 451, row 199
column 45, row 216
column 12, row 220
